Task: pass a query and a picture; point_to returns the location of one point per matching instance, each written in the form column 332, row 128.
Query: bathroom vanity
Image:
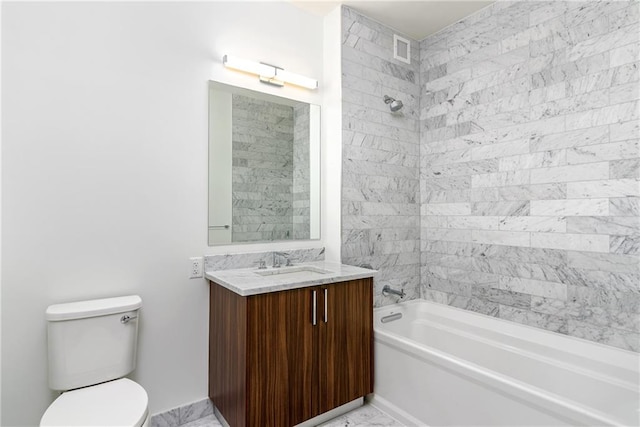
column 288, row 344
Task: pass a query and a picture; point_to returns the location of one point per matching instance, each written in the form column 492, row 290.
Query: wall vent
column 401, row 49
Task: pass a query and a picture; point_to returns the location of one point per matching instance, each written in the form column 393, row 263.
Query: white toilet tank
column 92, row 341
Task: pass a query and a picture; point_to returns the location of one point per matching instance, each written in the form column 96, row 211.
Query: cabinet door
column 227, row 353
column 280, row 358
column 346, row 343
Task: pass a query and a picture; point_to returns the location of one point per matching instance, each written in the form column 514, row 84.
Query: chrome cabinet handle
column 314, row 310
column 326, row 304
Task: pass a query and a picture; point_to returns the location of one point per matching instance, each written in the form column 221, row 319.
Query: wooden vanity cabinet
column 269, row 365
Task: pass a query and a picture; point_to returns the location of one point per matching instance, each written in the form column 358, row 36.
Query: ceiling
column 416, row 19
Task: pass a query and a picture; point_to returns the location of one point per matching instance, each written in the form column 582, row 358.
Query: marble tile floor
column 208, row 421
column 363, row 416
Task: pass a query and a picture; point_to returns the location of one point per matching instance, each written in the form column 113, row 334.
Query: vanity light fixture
column 269, row 74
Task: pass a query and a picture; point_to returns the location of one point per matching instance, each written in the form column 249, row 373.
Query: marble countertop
column 248, row 281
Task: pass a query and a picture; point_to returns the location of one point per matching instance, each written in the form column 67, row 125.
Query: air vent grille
column 401, row 49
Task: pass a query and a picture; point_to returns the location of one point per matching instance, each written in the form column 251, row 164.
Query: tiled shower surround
column 380, row 175
column 526, row 152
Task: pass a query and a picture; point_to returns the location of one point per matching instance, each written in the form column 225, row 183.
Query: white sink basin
column 298, row 272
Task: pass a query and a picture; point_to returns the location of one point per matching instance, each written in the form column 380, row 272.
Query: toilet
column 91, row 347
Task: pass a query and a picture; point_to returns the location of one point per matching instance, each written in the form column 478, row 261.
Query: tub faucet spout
column 387, row 290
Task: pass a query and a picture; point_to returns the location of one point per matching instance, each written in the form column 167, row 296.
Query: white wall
column 331, row 152
column 0, row 224
column 104, row 171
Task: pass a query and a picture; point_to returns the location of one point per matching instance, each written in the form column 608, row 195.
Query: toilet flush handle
column 126, row 318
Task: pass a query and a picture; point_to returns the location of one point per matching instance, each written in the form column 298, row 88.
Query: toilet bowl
column 92, row 346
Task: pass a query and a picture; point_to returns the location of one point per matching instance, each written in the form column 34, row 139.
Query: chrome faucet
column 276, row 259
column 280, row 259
column 387, row 290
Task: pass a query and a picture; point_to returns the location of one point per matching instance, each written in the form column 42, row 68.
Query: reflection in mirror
column 264, row 167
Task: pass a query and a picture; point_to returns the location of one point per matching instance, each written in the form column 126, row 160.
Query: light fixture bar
column 274, row 81
column 268, row 73
column 297, row 79
column 249, row 66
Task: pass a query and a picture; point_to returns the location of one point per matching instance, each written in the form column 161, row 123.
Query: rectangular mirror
column 264, row 167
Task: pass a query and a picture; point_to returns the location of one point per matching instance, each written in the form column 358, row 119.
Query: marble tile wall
column 252, row 259
column 529, row 167
column 262, row 173
column 301, row 174
column 380, row 181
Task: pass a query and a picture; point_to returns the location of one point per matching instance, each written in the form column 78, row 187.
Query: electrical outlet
column 195, row 267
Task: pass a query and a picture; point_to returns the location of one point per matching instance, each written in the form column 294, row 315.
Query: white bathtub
column 440, row 365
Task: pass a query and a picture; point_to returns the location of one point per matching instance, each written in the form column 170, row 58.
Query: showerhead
column 394, row 105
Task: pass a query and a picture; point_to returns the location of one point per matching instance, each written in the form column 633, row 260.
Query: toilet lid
column 115, row 403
